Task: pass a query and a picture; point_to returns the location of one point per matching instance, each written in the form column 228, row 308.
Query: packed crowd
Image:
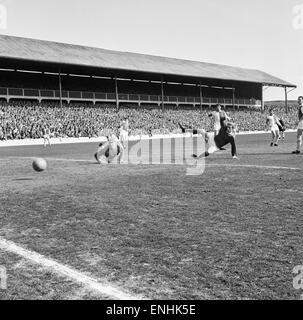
column 24, row 119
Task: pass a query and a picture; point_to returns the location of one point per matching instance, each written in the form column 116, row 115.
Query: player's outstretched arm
column 226, row 116
column 278, row 122
column 196, row 131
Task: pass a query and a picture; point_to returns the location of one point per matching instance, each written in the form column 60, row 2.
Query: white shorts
column 300, row 125
column 275, row 129
column 212, row 147
column 217, row 127
column 123, row 135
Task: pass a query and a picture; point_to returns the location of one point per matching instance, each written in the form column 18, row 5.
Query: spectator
column 26, row 119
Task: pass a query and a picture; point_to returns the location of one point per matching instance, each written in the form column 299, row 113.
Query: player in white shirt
column 123, row 134
column 218, row 116
column 110, row 151
column 46, row 136
column 272, row 122
column 300, row 126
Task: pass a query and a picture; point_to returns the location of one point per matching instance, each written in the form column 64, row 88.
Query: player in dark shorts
column 214, row 142
column 282, row 128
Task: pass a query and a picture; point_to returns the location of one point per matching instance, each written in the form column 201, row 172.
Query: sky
column 255, row 34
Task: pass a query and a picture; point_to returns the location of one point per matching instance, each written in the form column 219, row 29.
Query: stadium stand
column 78, row 91
column 22, row 119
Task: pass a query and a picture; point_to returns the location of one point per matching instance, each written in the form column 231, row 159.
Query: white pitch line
column 230, row 165
column 65, row 271
column 207, row 164
column 163, row 163
column 50, row 159
column 71, row 160
column 251, row 166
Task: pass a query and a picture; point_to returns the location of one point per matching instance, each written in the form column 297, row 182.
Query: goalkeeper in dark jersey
column 214, row 142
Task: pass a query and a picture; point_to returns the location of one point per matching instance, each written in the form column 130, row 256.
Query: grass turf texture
column 231, row 233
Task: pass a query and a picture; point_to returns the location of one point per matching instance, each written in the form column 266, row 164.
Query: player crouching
column 110, row 151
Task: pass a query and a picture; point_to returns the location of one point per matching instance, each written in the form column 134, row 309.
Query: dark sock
column 205, row 154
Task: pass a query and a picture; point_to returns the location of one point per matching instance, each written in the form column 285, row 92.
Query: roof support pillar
column 162, row 94
column 262, row 99
column 233, row 98
column 117, row 94
column 201, row 96
column 60, row 88
column 286, row 102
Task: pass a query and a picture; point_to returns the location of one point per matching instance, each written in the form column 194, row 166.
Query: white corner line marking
column 66, row 271
column 158, row 163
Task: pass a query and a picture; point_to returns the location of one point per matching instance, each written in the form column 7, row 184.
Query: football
column 39, row 164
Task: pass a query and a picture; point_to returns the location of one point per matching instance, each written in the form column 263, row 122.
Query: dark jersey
column 281, row 125
column 225, row 137
column 222, row 119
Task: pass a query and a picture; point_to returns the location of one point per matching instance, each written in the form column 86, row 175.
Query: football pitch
column 80, row 230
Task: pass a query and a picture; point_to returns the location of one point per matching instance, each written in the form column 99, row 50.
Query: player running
column 110, row 151
column 214, row 142
column 300, row 126
column 272, row 121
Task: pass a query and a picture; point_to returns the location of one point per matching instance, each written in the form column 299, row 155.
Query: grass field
column 150, row 231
